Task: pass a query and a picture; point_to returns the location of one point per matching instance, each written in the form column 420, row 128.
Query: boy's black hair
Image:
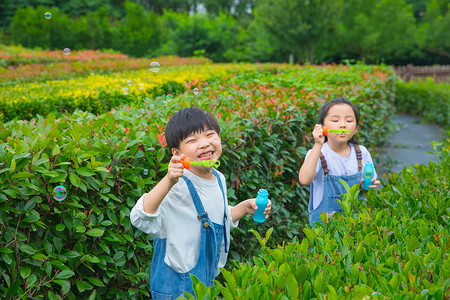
column 341, row 100
column 187, row 121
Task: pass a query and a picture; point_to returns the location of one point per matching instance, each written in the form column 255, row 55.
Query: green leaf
column 71, row 254
column 27, row 249
column 6, row 250
column 31, row 218
column 86, row 172
column 25, row 271
column 74, row 179
column 64, row 274
column 55, row 150
column 31, row 280
column 95, row 281
column 41, row 161
column 95, row 232
column 60, row 227
column 12, row 167
column 22, row 175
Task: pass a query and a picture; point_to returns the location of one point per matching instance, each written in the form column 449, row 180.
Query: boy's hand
column 253, row 207
column 374, row 185
column 175, row 169
column 318, row 136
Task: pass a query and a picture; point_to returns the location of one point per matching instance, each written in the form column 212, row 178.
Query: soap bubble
column 152, row 106
column 145, row 172
column 195, row 91
column 48, row 15
column 169, row 97
column 66, row 51
column 141, row 86
column 154, row 66
column 129, row 82
column 125, row 91
column 59, row 193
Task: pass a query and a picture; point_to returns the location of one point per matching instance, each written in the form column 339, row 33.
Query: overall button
column 206, row 224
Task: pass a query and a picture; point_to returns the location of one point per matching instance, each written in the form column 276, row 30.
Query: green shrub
column 29, row 28
column 429, row 100
column 396, row 247
column 85, row 245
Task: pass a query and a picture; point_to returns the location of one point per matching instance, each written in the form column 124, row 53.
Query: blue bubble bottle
column 368, row 175
column 261, row 201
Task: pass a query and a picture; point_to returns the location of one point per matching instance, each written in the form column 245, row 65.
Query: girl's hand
column 318, row 136
column 252, row 209
column 175, row 169
column 374, row 185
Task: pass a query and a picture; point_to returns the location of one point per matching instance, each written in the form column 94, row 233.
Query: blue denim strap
column 224, row 210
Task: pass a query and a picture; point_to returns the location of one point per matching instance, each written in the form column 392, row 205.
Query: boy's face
column 205, row 145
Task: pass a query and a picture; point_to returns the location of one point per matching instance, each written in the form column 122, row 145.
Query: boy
column 190, row 219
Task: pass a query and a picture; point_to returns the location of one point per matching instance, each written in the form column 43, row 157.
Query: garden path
column 409, row 145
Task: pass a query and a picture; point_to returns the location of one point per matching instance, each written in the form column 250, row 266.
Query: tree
column 138, row 33
column 158, row 6
column 434, row 32
column 30, row 29
column 376, row 29
column 200, row 33
column 299, row 27
column 236, row 8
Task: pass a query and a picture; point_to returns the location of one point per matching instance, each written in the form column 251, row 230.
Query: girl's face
column 205, row 145
column 340, row 116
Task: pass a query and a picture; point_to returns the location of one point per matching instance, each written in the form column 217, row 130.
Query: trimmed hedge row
column 397, row 246
column 429, row 100
column 84, row 246
column 98, row 93
column 18, row 64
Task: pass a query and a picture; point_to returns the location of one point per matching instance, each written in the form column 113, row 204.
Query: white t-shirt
column 176, row 220
column 337, row 165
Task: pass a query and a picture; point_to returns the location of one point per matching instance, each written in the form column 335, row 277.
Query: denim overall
column 165, row 283
column 333, row 190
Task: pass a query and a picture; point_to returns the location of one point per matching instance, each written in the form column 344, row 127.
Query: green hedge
column 85, row 246
column 397, row 246
column 429, row 100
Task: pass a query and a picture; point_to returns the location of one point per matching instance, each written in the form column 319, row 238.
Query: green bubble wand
column 204, row 163
column 338, row 131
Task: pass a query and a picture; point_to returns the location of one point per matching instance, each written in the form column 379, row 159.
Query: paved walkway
column 409, row 145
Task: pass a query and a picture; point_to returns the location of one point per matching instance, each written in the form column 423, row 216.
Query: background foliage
column 85, row 246
column 391, row 31
column 396, row 246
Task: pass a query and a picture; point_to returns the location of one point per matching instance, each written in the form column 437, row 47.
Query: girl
column 341, row 157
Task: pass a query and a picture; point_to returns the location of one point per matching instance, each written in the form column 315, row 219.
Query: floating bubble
column 169, row 97
column 154, row 66
column 59, row 193
column 152, row 106
column 66, row 51
column 129, row 82
column 145, row 172
column 125, row 91
column 195, row 91
column 48, row 15
column 141, row 86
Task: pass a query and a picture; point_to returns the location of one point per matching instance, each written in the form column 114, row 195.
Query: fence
column 410, row 72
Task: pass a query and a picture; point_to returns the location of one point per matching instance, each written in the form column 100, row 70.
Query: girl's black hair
column 187, row 121
column 341, row 100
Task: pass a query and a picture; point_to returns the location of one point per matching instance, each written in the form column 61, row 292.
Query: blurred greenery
column 391, row 31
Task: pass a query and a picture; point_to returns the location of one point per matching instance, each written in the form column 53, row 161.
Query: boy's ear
column 176, row 152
